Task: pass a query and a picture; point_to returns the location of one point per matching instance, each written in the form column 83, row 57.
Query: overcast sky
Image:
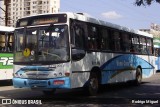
column 121, row 12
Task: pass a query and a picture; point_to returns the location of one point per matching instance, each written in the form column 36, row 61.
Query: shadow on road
column 110, row 94
column 5, row 83
column 121, row 93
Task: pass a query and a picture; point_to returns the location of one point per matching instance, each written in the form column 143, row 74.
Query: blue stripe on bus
column 124, row 63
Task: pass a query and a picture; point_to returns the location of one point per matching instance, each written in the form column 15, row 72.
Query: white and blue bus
column 6, row 52
column 69, row 50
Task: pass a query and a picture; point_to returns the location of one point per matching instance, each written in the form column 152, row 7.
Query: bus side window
column 77, row 35
column 156, row 52
column 105, row 42
column 126, row 42
column 135, row 44
column 92, row 38
column 116, row 41
column 10, row 43
column 149, row 46
column 142, row 46
column 2, row 43
column 2, row 48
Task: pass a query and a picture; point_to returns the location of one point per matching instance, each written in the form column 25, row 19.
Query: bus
column 6, row 52
column 70, row 50
column 156, row 44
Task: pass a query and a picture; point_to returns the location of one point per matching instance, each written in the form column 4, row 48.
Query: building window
column 52, row 10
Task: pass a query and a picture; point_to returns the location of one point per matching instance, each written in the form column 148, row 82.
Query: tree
column 145, row 2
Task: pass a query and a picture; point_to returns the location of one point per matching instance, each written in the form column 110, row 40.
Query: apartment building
column 21, row 8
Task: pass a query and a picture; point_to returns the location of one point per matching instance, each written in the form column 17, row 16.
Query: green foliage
column 145, row 2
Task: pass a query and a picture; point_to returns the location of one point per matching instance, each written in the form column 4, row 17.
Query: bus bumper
column 44, row 84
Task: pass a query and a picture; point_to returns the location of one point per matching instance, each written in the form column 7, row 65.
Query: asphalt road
column 147, row 94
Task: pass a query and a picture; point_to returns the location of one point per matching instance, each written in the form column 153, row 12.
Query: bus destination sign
column 42, row 19
column 45, row 20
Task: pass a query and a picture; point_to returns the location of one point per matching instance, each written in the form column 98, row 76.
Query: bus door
column 157, row 59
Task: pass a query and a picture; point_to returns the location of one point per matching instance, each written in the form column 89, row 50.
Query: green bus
column 6, row 52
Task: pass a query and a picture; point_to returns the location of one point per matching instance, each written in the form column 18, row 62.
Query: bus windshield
column 41, row 44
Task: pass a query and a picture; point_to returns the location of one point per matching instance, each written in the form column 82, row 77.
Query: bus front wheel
column 138, row 76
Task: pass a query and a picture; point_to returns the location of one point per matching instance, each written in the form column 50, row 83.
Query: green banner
column 6, row 60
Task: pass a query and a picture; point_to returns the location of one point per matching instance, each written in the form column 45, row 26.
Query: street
column 148, row 94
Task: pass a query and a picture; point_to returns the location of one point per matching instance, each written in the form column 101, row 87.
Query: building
column 21, row 8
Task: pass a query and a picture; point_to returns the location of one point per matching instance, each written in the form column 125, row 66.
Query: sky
column 121, row 12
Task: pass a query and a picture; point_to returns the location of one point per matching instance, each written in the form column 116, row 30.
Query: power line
column 2, row 9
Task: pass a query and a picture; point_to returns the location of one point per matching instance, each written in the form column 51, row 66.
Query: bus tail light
column 58, row 82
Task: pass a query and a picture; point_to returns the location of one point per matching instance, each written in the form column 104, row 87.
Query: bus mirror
column 77, row 54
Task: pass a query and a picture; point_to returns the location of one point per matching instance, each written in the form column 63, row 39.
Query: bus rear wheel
column 138, row 80
column 93, row 85
column 49, row 92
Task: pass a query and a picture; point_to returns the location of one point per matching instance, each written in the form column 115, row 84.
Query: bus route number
column 6, row 61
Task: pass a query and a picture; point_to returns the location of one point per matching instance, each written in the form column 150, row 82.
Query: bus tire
column 49, row 92
column 138, row 79
column 93, row 84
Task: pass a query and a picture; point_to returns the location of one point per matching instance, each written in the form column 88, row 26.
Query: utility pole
column 6, row 12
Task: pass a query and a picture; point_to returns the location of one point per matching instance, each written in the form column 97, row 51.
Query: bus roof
column 87, row 18
column 6, row 29
column 144, row 33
